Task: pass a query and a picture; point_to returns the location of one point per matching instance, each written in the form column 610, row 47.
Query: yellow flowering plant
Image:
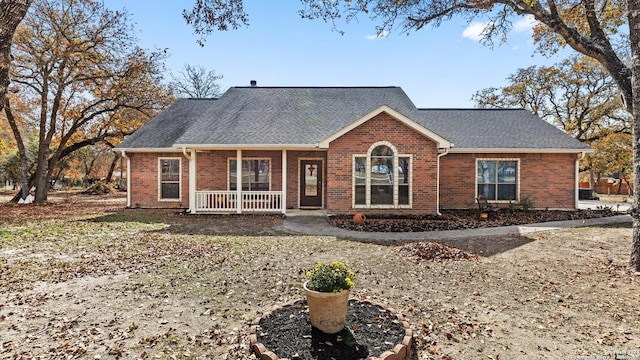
column 333, row 277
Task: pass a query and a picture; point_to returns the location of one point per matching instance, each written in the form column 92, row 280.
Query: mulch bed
column 371, row 331
column 460, row 219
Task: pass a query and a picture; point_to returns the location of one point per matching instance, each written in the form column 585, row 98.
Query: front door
column 311, row 183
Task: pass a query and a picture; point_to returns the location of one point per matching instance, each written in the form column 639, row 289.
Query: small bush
column 526, row 203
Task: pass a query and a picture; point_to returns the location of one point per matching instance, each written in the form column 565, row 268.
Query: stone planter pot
column 328, row 311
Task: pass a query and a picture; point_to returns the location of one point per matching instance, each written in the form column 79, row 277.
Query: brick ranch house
column 344, row 150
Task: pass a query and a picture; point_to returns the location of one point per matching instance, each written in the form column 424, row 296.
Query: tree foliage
column 207, row 16
column 13, row 11
column 589, row 27
column 196, row 82
column 578, row 96
column 613, row 155
column 83, row 78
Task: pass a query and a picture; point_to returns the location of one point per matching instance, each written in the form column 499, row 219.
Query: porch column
column 283, row 199
column 192, row 181
column 239, row 181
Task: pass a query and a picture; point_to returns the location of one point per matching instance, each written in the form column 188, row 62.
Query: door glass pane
column 310, row 180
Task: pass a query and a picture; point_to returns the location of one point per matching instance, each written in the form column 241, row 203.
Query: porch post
column 239, row 181
column 192, row 181
column 283, row 199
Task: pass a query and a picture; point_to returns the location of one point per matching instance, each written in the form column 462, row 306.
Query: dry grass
column 135, row 284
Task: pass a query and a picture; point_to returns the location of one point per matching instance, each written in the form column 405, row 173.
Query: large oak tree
column 79, row 70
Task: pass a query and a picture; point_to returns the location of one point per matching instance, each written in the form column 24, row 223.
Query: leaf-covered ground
column 81, row 279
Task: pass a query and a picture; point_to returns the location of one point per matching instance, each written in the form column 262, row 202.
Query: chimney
column 254, row 83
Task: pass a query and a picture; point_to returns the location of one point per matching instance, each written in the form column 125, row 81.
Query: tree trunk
column 629, row 186
column 42, row 174
column 24, row 161
column 619, row 191
column 112, row 167
column 11, row 14
column 634, row 37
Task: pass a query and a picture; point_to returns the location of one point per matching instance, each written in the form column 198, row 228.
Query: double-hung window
column 256, row 174
column 169, row 179
column 382, row 178
column 497, row 179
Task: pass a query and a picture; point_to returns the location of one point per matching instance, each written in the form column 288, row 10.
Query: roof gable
column 442, row 142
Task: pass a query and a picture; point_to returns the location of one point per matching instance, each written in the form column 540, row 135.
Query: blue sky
column 437, row 67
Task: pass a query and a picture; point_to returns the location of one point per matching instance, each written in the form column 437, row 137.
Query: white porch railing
column 225, row 201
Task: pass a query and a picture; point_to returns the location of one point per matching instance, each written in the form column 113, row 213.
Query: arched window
column 382, row 178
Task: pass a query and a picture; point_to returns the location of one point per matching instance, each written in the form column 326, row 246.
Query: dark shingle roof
column 268, row 115
column 163, row 130
column 306, row 115
column 495, row 129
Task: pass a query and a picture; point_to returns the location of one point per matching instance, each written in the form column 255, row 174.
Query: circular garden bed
column 372, row 332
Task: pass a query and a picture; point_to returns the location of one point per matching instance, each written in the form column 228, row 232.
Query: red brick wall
column 144, row 180
column 211, row 174
column 407, row 141
column 549, row 179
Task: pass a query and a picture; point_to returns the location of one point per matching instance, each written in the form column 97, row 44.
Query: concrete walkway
column 315, row 223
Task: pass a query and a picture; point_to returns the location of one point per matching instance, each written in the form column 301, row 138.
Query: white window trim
column 160, row 198
column 517, row 160
column 396, row 183
column 247, row 159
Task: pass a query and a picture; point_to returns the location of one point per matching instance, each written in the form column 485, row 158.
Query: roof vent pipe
column 254, row 83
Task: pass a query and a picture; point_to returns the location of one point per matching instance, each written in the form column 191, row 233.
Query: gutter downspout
column 446, row 151
column 581, row 156
column 124, row 155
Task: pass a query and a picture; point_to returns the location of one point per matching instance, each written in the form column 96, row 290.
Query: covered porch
column 236, row 198
column 254, row 180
